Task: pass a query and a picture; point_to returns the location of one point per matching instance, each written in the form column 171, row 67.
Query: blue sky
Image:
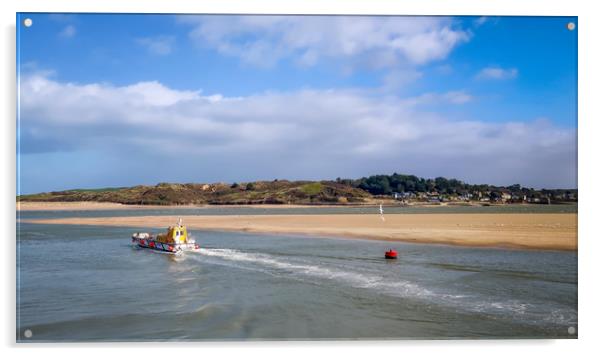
column 118, row 100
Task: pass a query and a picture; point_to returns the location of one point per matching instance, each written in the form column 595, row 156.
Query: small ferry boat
column 175, row 240
column 391, row 254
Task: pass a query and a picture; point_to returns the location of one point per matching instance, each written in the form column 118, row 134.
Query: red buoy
column 391, row 254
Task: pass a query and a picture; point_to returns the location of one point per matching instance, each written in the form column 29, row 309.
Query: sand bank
column 73, row 206
column 84, row 205
column 532, row 231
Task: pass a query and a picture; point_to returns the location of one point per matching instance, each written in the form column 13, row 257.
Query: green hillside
column 408, row 188
column 276, row 192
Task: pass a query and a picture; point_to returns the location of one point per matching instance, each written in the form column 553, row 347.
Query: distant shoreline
column 521, row 231
column 41, row 206
column 87, row 205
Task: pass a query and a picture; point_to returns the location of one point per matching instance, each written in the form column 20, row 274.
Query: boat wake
column 304, row 270
column 300, row 269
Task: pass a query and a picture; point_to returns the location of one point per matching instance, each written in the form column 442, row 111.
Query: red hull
column 391, row 255
column 163, row 247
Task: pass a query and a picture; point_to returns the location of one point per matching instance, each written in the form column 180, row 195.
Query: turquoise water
column 87, row 283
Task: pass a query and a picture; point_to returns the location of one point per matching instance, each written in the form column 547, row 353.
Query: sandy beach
column 86, row 205
column 530, row 231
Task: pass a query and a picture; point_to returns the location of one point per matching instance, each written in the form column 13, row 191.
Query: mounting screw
column 572, row 330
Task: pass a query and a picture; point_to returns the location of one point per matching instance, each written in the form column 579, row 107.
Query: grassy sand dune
column 532, row 231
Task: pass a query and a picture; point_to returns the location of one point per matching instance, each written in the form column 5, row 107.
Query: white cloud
column 396, row 79
column 307, row 134
column 458, row 97
column 480, row 21
column 160, row 45
column 68, row 32
column 377, row 41
column 450, row 97
column 497, row 73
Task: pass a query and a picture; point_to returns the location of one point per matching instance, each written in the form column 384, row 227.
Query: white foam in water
column 558, row 317
column 403, row 289
column 355, row 279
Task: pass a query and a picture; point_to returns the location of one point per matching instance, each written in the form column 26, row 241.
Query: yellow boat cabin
column 174, row 235
column 175, row 240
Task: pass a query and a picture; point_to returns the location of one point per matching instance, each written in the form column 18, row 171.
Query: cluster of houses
column 504, row 197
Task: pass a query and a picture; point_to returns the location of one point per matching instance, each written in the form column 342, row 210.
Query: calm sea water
column 85, row 283
column 243, row 210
